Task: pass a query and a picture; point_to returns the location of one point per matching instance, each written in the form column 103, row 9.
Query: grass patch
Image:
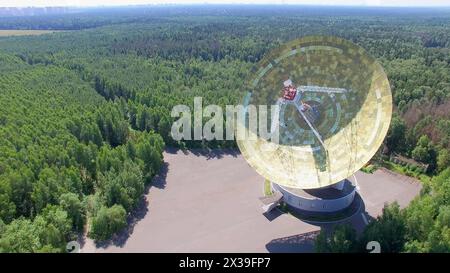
column 267, row 188
column 370, row 168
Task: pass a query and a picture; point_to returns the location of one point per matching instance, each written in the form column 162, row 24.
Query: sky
column 48, row 3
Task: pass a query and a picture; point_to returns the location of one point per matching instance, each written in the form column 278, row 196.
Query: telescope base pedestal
column 328, row 199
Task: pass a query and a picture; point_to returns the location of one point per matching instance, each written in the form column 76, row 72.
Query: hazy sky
column 40, row 3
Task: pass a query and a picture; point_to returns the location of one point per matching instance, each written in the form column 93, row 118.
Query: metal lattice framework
column 352, row 102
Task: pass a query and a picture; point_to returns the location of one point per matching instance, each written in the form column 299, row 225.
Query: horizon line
column 230, row 4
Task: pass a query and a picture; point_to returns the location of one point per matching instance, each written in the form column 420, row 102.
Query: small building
column 289, row 92
column 405, row 161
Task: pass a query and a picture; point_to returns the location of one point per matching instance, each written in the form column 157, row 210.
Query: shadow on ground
column 138, row 213
column 208, row 153
column 301, row 243
column 159, row 181
column 273, row 214
column 304, row 243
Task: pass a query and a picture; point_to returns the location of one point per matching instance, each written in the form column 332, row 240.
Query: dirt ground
column 19, row 32
column 209, row 203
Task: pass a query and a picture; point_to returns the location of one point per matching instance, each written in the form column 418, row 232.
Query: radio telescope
column 335, row 106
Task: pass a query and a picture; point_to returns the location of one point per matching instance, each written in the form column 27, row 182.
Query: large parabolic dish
column 335, row 120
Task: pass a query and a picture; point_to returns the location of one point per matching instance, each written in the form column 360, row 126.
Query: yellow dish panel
column 351, row 124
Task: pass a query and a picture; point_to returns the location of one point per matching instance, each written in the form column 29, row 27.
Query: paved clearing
column 209, row 203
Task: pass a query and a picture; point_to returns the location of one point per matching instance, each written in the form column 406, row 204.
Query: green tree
column 20, row 236
column 420, row 217
column 74, row 208
column 7, row 207
column 443, row 160
column 53, row 227
column 107, row 222
column 342, row 239
column 124, row 187
column 388, row 229
column 21, row 189
column 425, row 152
column 46, row 190
column 395, row 139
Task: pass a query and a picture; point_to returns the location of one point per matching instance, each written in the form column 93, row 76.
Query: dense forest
column 85, row 112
